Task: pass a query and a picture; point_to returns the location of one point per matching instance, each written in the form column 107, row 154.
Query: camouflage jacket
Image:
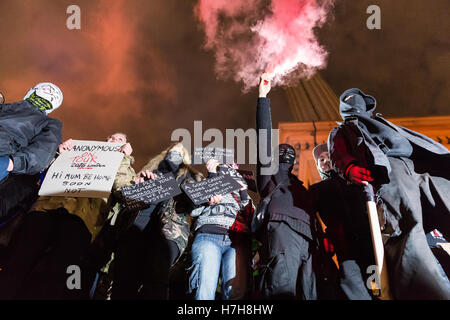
column 93, row 211
column 175, row 221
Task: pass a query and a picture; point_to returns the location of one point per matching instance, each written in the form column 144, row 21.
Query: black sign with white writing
column 200, row 192
column 141, row 195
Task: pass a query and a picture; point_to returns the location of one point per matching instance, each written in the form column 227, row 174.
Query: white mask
column 49, row 92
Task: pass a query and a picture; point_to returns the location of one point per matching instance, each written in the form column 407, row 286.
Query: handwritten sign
column 202, row 155
column 86, row 170
column 243, row 176
column 200, row 192
column 139, row 196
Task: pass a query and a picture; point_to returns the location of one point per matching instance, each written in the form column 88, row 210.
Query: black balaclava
column 286, row 154
column 286, row 158
column 175, row 162
column 354, row 102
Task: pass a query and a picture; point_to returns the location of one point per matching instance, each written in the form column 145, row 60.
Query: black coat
column 342, row 207
column 28, row 136
column 368, row 141
column 290, row 203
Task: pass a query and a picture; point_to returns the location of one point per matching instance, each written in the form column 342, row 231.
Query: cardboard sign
column 243, row 176
column 139, row 196
column 200, row 192
column 86, row 170
column 202, row 155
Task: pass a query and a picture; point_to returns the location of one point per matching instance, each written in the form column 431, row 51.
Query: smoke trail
column 250, row 37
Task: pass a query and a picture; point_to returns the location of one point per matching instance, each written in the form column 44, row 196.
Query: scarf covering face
column 40, row 103
column 175, row 157
column 172, row 162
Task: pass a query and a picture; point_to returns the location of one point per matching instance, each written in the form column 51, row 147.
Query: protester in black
column 342, row 208
column 28, row 142
column 411, row 175
column 286, row 271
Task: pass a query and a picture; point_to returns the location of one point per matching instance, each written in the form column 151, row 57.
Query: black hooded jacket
column 290, row 203
column 28, row 136
column 368, row 141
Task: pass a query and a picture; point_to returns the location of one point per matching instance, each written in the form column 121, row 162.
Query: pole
column 378, row 247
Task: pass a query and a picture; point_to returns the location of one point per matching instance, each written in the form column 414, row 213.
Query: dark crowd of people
column 296, row 242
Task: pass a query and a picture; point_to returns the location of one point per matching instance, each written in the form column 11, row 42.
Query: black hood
column 360, row 104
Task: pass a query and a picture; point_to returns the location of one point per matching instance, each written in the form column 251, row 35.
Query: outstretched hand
column 264, row 85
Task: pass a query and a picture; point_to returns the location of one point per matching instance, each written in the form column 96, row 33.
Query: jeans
column 215, row 253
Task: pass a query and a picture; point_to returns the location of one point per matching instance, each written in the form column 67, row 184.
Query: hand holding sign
column 215, row 199
column 66, row 145
column 145, row 175
column 211, row 165
column 154, row 190
column 126, row 149
column 201, row 192
column 83, row 169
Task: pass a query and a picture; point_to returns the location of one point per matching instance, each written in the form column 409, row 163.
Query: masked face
column 49, row 92
column 324, row 162
column 175, row 157
column 2, row 99
column 286, row 154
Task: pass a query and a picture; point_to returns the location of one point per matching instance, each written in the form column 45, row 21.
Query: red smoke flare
column 249, row 39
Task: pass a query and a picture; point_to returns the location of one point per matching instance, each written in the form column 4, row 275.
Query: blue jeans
column 215, row 253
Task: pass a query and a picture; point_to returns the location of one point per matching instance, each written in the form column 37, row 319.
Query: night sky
column 139, row 66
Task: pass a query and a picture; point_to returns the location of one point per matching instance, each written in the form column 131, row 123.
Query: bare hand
column 215, row 199
column 126, row 149
column 66, row 145
column 211, row 165
column 264, row 85
column 10, row 165
column 145, row 175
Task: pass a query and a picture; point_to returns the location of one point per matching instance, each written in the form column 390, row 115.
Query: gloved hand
column 328, row 247
column 4, row 164
column 359, row 175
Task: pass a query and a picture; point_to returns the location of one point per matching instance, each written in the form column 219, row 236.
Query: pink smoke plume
column 249, row 37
